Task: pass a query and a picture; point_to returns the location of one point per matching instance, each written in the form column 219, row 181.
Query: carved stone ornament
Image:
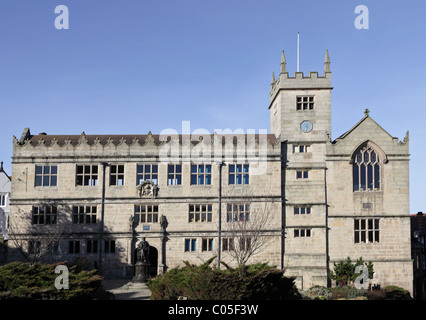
column 147, row 189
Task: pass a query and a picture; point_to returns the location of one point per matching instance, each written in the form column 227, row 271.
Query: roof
column 2, row 170
column 366, row 116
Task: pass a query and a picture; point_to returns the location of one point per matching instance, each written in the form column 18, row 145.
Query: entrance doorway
column 153, row 260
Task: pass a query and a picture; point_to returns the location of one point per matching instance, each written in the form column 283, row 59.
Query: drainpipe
column 101, row 227
column 219, row 238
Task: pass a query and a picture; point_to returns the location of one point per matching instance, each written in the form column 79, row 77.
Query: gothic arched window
column 366, row 169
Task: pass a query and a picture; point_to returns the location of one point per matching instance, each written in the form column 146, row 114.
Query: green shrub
column 258, row 281
column 317, row 293
column 346, row 292
column 19, row 280
column 397, row 293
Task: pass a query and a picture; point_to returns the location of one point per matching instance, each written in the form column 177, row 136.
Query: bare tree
column 248, row 228
column 35, row 239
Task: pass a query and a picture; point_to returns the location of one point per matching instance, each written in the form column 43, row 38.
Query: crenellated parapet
column 299, row 81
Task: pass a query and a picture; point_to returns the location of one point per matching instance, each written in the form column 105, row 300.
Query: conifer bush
column 203, row 282
column 26, row 281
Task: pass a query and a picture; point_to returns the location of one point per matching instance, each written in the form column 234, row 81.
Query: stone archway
column 153, row 261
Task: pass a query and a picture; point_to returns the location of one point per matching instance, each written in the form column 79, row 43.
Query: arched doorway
column 153, row 260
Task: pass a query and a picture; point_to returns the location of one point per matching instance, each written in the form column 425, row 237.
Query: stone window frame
column 92, row 246
column 109, row 246
column 84, row 214
column 200, row 212
column 207, row 244
column 190, row 245
column 305, row 102
column 117, row 175
column 302, row 148
column 302, row 233
column 227, row 244
column 74, row 247
column 361, row 168
column 44, row 215
column 87, row 178
column 174, row 174
column 239, row 174
column 201, row 172
column 34, row 246
column 367, row 230
column 146, row 213
column 46, row 178
column 146, row 175
column 238, row 212
column 302, row 209
column 302, row 174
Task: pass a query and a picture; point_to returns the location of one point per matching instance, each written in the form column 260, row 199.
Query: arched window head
column 366, row 169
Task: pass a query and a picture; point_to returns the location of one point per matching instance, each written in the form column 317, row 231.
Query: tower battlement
column 299, row 81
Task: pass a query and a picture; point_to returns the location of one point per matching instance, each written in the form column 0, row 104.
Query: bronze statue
column 143, row 251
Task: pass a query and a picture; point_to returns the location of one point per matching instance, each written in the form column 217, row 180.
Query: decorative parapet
column 148, row 145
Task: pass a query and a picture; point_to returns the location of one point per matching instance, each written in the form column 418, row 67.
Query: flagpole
column 298, row 53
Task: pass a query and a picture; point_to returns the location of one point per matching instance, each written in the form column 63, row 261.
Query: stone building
column 317, row 201
column 5, row 187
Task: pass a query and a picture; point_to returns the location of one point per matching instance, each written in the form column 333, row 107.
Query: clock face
column 306, row 126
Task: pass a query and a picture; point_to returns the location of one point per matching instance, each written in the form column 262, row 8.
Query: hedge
column 203, row 282
column 23, row 281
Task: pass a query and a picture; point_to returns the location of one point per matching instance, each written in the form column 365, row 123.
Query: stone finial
column 283, row 64
column 327, row 62
column 366, row 112
column 273, row 78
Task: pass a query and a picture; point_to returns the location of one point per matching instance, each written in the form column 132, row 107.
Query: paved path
column 127, row 290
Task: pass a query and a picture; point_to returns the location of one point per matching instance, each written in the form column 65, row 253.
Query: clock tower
column 300, row 107
column 300, row 114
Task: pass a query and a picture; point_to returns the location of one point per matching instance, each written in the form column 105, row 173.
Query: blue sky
column 135, row 66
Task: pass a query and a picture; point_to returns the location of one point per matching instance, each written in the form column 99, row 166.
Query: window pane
column 231, row 168
column 363, row 177
column 39, row 169
column 139, row 168
column 376, row 176
column 356, row 177
column 53, row 181
column 370, row 176
column 38, row 181
column 246, row 179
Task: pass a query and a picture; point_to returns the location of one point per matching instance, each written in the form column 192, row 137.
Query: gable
column 368, row 130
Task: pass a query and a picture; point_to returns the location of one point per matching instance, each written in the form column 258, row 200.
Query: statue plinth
column 141, row 272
